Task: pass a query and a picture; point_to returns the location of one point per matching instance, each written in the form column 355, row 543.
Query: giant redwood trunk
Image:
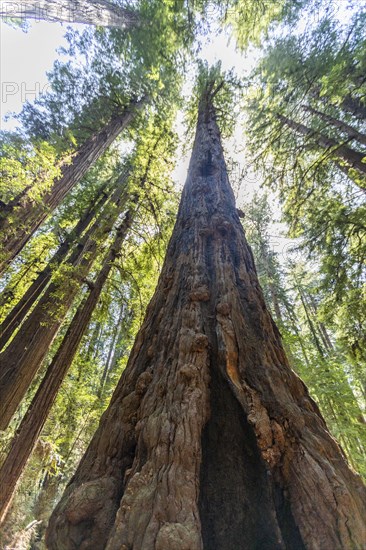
column 20, row 361
column 94, row 12
column 211, row 441
column 27, row 216
column 33, row 422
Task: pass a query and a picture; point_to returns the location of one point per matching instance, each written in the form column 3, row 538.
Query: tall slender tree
column 210, row 440
column 354, row 159
column 36, row 416
column 18, row 313
column 26, row 216
column 20, row 361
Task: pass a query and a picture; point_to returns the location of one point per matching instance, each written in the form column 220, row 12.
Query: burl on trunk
column 211, row 441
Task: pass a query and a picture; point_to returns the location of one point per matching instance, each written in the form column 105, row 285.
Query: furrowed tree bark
column 211, row 440
column 28, row 215
column 20, row 361
column 17, row 315
column 350, row 131
column 93, row 12
column 33, row 422
column 353, row 158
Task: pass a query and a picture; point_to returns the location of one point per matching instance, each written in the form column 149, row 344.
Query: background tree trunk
column 33, row 422
column 350, row 131
column 93, row 12
column 30, row 215
column 354, row 159
column 211, row 440
column 17, row 315
column 354, row 106
column 20, row 361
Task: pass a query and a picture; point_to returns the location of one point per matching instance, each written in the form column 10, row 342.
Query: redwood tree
column 22, row 358
column 211, row 440
column 33, row 422
column 354, row 159
column 21, row 309
column 21, row 221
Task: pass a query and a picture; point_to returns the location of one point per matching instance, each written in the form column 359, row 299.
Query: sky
column 25, row 58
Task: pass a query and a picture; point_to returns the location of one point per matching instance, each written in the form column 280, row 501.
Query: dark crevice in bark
column 289, row 530
column 240, row 506
column 235, row 500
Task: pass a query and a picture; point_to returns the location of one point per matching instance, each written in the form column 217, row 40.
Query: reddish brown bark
column 211, row 440
column 33, row 422
column 17, row 315
column 28, row 215
column 20, row 361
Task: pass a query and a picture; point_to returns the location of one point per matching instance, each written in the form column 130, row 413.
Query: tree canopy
column 88, row 202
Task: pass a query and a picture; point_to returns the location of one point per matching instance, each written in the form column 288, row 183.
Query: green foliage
column 315, row 349
column 222, row 87
column 315, row 78
column 252, row 21
column 320, row 310
column 25, row 165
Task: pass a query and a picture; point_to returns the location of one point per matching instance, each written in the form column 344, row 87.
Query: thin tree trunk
column 17, row 315
column 8, row 293
column 22, row 358
column 353, row 158
column 349, row 104
column 310, row 322
column 33, row 422
column 92, row 344
column 350, row 132
column 321, row 327
column 93, row 12
column 112, row 350
column 271, row 287
column 275, row 303
column 211, row 440
column 28, row 216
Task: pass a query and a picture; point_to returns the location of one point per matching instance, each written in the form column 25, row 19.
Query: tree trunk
column 112, row 354
column 353, row 158
column 327, row 342
column 28, row 216
column 8, row 293
column 33, row 422
column 22, row 358
column 17, row 315
column 92, row 12
column 211, row 440
column 46, row 500
column 354, row 106
column 350, row 132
